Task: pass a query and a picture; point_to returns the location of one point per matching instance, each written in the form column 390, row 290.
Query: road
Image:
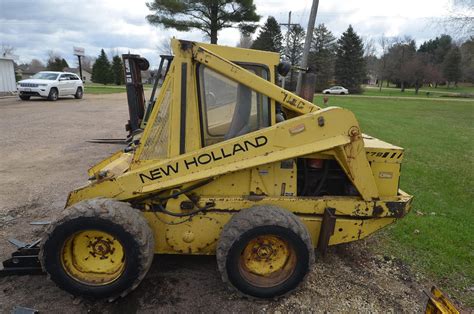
column 44, row 155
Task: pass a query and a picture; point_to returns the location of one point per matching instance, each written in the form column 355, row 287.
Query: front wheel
column 99, row 248
column 264, row 252
column 53, row 94
column 79, row 93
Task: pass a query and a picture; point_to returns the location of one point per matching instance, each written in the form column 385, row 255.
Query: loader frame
column 189, row 193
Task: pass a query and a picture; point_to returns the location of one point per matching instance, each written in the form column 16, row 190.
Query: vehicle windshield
column 45, row 76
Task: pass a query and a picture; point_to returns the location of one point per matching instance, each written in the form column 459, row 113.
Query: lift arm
column 314, row 130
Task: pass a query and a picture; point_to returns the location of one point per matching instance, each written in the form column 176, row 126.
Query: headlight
column 42, row 84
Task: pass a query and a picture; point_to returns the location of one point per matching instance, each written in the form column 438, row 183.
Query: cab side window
column 230, row 109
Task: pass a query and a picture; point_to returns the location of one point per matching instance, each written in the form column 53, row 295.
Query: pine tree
column 117, row 70
column 56, row 63
column 101, row 70
column 208, row 16
column 270, row 37
column 452, row 65
column 350, row 67
column 294, row 51
column 64, row 64
column 322, row 56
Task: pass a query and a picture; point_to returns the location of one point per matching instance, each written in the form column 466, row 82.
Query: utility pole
column 79, row 52
column 287, row 42
column 307, row 43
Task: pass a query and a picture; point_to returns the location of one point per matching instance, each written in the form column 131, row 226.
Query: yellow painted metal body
column 438, row 303
column 93, row 257
column 177, row 150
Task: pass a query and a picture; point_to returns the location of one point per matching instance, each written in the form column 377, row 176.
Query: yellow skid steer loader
column 230, row 164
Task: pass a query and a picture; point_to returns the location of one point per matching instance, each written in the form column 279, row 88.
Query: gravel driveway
column 44, row 155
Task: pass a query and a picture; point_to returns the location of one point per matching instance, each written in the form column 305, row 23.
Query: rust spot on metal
column 255, row 197
column 354, row 133
column 327, row 229
column 378, row 210
column 321, row 121
column 396, row 209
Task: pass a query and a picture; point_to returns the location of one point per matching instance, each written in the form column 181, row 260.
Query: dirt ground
column 44, row 155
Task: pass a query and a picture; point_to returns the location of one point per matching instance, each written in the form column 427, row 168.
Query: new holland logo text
column 203, row 159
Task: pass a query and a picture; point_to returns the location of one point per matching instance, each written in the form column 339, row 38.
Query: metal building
column 7, row 76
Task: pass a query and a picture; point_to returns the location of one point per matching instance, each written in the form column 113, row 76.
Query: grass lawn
column 440, row 91
column 437, row 237
column 94, row 88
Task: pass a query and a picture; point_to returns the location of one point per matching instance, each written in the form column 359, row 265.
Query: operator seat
column 241, row 117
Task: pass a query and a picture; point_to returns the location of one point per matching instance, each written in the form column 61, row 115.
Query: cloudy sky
column 35, row 27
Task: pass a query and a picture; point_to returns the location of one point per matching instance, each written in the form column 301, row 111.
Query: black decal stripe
column 182, row 140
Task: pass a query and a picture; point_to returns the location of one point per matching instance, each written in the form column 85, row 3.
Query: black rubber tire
column 23, row 97
column 125, row 223
column 53, row 94
column 79, row 93
column 259, row 220
column 342, row 93
column 327, row 93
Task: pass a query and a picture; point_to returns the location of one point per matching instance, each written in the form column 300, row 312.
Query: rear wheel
column 23, row 97
column 342, row 93
column 99, row 248
column 79, row 93
column 53, row 94
column 264, row 252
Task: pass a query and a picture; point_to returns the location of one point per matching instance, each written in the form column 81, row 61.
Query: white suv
column 51, row 85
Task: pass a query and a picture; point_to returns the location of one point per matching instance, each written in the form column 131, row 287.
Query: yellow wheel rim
column 267, row 261
column 93, row 257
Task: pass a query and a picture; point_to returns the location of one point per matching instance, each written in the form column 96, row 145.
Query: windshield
column 45, row 76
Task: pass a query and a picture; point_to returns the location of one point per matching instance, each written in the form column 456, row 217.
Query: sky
column 35, row 27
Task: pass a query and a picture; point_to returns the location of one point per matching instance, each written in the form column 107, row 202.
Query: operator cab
column 227, row 109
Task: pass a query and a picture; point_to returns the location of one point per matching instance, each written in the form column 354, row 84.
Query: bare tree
column 399, row 55
column 385, row 43
column 164, row 46
column 114, row 52
column 245, row 41
column 36, row 65
column 370, row 58
column 460, row 18
column 52, row 55
column 369, row 47
column 6, row 50
column 87, row 62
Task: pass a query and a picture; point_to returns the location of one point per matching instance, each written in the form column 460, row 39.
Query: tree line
column 437, row 61
column 103, row 71
column 347, row 60
column 350, row 62
column 333, row 61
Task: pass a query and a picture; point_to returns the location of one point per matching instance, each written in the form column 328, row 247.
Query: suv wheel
column 79, row 93
column 53, row 94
